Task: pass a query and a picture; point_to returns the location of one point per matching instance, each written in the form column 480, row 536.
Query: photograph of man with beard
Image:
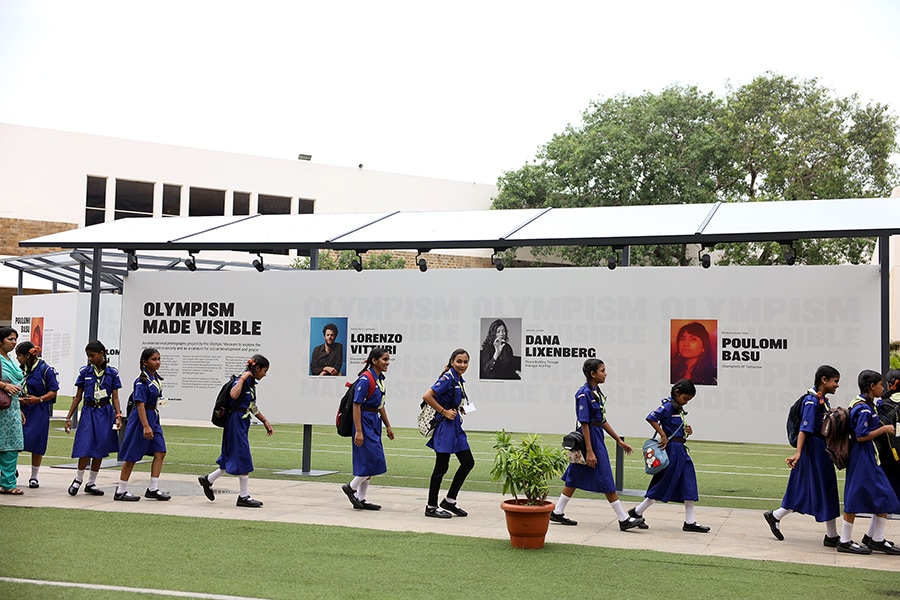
column 327, row 358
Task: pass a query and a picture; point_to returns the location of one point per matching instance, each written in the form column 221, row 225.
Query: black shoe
column 351, row 495
column 433, row 511
column 33, row 483
column 456, row 510
column 92, row 489
column 633, row 514
column 773, row 524
column 831, row 542
column 125, row 497
column 368, row 505
column 630, row 523
column 883, row 546
column 248, row 502
column 852, row 547
column 207, row 488
column 695, row 527
column 562, row 519
column 866, row 539
column 156, row 495
column 73, row 489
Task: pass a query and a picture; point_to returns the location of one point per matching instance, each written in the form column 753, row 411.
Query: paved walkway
column 735, row 533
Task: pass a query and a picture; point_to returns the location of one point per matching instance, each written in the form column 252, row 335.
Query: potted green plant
column 526, row 469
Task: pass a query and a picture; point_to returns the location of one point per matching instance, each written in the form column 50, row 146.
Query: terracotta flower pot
column 527, row 525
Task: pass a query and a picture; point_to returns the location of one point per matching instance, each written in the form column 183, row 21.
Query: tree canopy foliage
column 334, row 261
column 776, row 138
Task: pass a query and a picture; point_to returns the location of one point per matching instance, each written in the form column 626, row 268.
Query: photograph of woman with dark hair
column 497, row 358
column 693, row 355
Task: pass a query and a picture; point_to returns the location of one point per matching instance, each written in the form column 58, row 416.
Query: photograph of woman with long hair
column 694, row 353
column 498, row 360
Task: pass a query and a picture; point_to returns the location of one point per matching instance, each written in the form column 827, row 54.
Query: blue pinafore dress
column 449, row 437
column 590, row 408
column 95, row 436
column 39, row 380
column 678, row 481
column 368, row 459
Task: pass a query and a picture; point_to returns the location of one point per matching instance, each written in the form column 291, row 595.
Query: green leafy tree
column 334, row 261
column 774, row 139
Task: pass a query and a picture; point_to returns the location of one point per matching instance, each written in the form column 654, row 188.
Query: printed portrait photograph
column 693, row 351
column 501, row 348
column 327, row 343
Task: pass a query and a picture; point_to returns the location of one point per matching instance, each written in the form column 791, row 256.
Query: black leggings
column 441, row 464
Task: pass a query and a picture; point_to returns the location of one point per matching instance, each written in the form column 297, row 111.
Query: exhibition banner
column 60, row 323
column 750, row 337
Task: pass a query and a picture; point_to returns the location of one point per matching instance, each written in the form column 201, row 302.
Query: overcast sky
column 461, row 90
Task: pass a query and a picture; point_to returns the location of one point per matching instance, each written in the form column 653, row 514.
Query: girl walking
column 11, row 441
column 812, row 485
column 97, row 436
column 595, row 475
column 368, row 415
column 235, row 458
column 143, row 432
column 678, row 481
column 37, row 399
column 866, row 488
column 448, row 398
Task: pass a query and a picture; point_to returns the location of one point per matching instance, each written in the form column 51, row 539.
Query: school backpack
column 793, row 420
column 224, row 403
column 344, row 418
column 888, row 446
column 836, row 431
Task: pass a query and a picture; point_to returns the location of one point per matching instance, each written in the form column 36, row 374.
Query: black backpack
column 344, row 418
column 793, row 420
column 224, row 404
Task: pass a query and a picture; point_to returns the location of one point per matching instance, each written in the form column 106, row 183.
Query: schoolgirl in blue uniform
column 888, row 407
column 368, row 415
column 812, row 485
column 97, row 436
column 143, row 432
column 866, row 488
column 596, row 474
column 678, row 481
column 37, row 399
column 448, row 397
column 235, row 458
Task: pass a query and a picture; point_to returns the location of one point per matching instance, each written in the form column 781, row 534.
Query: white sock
column 122, row 487
column 561, row 504
column 245, row 484
column 831, row 528
column 154, row 484
column 215, row 475
column 644, row 505
column 846, row 531
column 34, row 471
column 880, row 525
column 689, row 511
column 363, row 489
column 79, row 475
column 92, row 477
column 873, row 527
column 620, row 512
column 356, row 482
column 781, row 513
column 450, row 500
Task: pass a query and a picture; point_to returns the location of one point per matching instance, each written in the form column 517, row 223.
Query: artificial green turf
column 280, row 560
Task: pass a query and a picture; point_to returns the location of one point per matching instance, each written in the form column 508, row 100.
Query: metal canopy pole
column 96, row 267
column 884, row 260
column 306, row 460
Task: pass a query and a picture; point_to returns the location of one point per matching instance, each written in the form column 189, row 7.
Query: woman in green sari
column 11, row 442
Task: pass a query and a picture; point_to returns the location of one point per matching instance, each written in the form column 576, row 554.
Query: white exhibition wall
column 65, row 321
column 781, row 322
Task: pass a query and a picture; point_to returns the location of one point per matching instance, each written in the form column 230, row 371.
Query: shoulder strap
column 371, row 379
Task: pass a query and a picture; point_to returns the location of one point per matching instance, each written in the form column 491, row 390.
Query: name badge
column 101, row 395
